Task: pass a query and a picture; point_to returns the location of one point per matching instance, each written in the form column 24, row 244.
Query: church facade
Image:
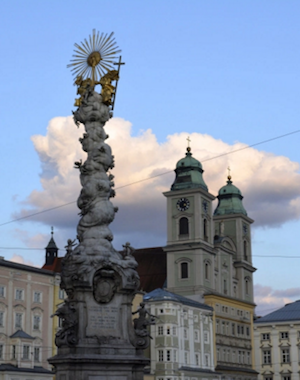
column 209, row 260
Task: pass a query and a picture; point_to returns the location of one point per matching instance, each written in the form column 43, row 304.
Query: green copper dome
column 188, row 173
column 230, row 200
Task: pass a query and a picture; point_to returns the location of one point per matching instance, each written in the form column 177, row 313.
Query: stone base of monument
column 99, row 367
column 98, row 339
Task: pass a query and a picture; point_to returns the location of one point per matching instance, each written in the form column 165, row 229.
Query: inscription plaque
column 103, row 319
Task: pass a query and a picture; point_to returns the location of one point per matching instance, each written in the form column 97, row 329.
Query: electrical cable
column 157, row 175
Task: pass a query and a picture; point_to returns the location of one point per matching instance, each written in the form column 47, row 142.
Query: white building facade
column 277, row 344
column 182, row 347
column 26, row 304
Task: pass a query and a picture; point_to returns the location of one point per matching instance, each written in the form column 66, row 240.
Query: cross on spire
column 229, row 176
column 188, row 147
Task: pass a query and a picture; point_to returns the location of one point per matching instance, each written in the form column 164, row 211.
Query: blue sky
column 229, row 70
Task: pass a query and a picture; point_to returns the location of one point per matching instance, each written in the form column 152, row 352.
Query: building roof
column 52, row 245
column 230, row 200
column 27, row 268
column 188, row 173
column 21, row 334
column 290, row 312
column 152, row 268
column 55, row 266
column 164, row 295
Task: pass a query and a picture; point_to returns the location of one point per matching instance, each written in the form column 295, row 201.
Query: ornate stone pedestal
column 100, row 342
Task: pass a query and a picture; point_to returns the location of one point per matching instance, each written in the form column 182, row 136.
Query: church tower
column 190, row 230
column 231, row 221
column 51, row 250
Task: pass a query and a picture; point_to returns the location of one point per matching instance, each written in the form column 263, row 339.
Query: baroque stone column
column 98, row 340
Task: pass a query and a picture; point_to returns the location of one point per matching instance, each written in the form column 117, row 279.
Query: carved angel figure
column 140, row 324
column 107, row 88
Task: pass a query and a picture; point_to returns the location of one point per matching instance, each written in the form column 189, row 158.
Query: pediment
column 19, row 307
column 37, row 309
column 228, row 243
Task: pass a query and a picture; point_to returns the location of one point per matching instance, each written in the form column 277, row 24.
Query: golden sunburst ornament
column 94, row 57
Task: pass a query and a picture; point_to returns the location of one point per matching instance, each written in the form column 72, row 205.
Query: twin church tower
column 207, row 251
column 209, row 260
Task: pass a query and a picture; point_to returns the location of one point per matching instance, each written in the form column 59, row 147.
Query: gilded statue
column 84, row 87
column 108, row 90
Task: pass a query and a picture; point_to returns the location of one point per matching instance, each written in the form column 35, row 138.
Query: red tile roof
column 55, row 266
column 152, row 267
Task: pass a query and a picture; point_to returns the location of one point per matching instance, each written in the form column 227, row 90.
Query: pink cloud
column 269, row 299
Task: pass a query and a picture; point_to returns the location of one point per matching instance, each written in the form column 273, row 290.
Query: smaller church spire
column 51, row 250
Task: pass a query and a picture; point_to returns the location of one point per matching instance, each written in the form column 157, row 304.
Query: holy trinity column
column 98, row 339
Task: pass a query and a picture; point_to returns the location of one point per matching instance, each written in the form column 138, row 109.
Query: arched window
column 225, row 286
column 247, row 286
column 205, row 228
column 206, row 270
column 245, row 250
column 184, row 270
column 183, row 226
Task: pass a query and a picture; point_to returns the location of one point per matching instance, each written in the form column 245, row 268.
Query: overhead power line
column 155, row 176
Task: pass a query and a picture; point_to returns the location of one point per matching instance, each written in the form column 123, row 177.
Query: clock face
column 183, row 204
column 205, row 206
column 245, row 228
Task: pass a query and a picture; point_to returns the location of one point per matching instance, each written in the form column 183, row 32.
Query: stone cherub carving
column 128, row 250
column 145, row 319
column 68, row 333
column 69, row 247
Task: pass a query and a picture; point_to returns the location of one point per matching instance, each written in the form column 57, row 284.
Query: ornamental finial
column 188, row 147
column 229, row 176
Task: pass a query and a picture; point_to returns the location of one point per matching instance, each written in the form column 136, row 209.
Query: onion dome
column 230, row 200
column 188, row 173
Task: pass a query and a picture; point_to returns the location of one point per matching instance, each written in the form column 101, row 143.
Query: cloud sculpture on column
column 100, row 282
